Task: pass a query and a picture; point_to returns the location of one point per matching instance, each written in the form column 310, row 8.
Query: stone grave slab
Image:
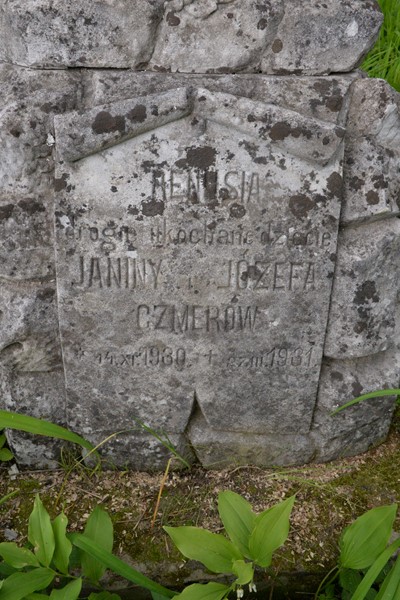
column 196, row 243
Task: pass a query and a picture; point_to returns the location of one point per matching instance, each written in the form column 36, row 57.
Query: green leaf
column 106, row 596
column 349, row 580
column 19, row 585
column 6, row 455
column 63, row 546
column 118, row 566
column 373, row 572
column 36, row 597
column 390, row 588
column 40, row 533
column 99, row 529
column 270, row 532
column 209, row 591
column 3, row 439
column 244, row 572
column 238, row 519
column 69, row 592
column 156, row 596
column 17, row 557
column 363, row 541
column 11, row 420
column 211, row 549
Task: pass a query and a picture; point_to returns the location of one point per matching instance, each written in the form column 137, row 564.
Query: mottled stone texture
column 190, row 36
column 201, row 247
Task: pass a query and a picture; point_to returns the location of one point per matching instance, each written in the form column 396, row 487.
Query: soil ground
column 328, row 497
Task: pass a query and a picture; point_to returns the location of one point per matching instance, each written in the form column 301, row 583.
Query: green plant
column 54, row 558
column 369, row 396
column 252, row 541
column 364, row 569
column 5, row 453
column 383, row 61
column 12, row 420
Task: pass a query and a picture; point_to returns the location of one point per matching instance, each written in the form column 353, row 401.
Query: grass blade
column 377, row 394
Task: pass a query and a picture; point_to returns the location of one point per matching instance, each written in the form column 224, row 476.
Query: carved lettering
column 118, row 273
column 192, row 318
column 274, row 276
column 204, row 186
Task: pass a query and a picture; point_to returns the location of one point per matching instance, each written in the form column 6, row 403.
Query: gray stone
column 316, row 38
column 365, row 292
column 65, row 33
column 217, row 449
column 38, row 394
column 372, row 162
column 145, row 321
column 191, row 36
column 358, row 427
column 227, row 247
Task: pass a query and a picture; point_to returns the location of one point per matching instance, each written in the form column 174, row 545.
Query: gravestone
column 225, row 233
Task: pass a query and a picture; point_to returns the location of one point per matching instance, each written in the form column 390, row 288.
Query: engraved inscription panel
column 194, row 259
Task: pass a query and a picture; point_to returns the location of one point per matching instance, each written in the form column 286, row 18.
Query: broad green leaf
column 11, row 420
column 63, row 546
column 6, row 570
column 118, row 566
column 17, row 557
column 2, row 439
column 70, row 591
column 349, row 579
column 19, row 585
column 211, row 549
column 390, row 588
column 107, row 596
column 36, row 597
column 6, row 455
column 40, row 533
column 244, row 572
column 238, row 519
column 373, row 572
column 364, row 540
column 208, row 591
column 99, row 529
column 270, row 532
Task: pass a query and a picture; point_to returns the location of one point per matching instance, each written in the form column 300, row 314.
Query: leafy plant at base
column 26, row 573
column 364, row 559
column 252, row 541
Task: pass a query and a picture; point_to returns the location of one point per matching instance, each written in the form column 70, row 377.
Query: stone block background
column 71, row 76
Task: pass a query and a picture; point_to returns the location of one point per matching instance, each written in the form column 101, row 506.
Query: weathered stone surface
column 66, row 33
column 191, row 36
column 30, row 351
column 372, row 164
column 38, row 394
column 315, row 37
column 366, row 286
column 322, row 98
column 189, row 39
column 250, row 188
column 29, row 100
column 216, row 449
column 358, row 427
